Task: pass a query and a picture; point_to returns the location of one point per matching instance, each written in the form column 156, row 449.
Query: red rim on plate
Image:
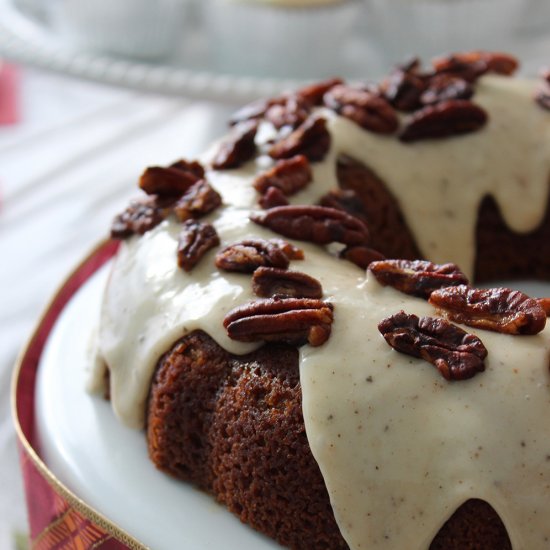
column 57, row 517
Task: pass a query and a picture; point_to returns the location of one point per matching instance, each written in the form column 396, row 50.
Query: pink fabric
column 9, row 94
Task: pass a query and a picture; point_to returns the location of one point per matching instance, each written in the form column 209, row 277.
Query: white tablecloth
column 65, row 170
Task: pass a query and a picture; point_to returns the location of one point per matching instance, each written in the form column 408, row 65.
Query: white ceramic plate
column 105, row 463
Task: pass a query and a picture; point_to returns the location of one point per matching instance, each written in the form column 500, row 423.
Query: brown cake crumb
column 233, row 425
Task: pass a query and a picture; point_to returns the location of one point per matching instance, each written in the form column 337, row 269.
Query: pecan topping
column 417, row 277
column 291, row 252
column 238, row 148
column 445, row 86
column 403, row 88
column 314, row 93
column 291, row 111
column 542, row 95
column 139, row 217
column 317, row 224
column 365, row 108
column 411, row 65
column 286, row 109
column 166, row 182
column 310, row 139
column 448, row 118
column 253, row 111
column 273, row 197
column 498, row 62
column 471, row 65
column 293, row 320
column 195, row 240
column 269, row 282
column 200, row 199
column 457, row 354
column 467, row 71
column 361, row 256
column 289, row 175
column 345, row 199
column 247, row 256
column 497, row 309
column 193, row 168
column 544, row 303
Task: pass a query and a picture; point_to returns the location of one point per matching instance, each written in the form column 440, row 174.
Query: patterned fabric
column 54, row 523
column 58, row 520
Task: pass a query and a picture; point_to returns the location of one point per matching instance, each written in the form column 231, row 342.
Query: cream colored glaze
column 400, row 448
column 376, row 419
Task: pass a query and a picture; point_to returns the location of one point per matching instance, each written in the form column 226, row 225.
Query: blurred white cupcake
column 281, row 38
column 137, row 28
column 401, row 28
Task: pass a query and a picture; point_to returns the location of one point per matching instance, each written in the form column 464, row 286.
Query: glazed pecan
column 542, row 95
column 289, row 175
column 273, row 197
column 368, row 110
column 361, row 256
column 254, row 110
column 139, row 217
column 289, row 109
column 310, row 139
column 195, row 240
column 292, row 110
column 200, row 199
column 291, row 252
column 469, row 71
column 497, row 62
column 314, row 93
column 417, row 277
column 448, row 118
column 246, row 256
column 293, row 320
column 166, row 182
column 192, row 167
column 346, row 200
column 238, row 148
column 403, row 89
column 269, row 282
column 443, row 86
column 497, row 309
column 411, row 65
column 544, row 303
column 471, row 65
column 457, row 354
column 317, row 224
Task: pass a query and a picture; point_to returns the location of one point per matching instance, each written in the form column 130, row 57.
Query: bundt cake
column 329, row 409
